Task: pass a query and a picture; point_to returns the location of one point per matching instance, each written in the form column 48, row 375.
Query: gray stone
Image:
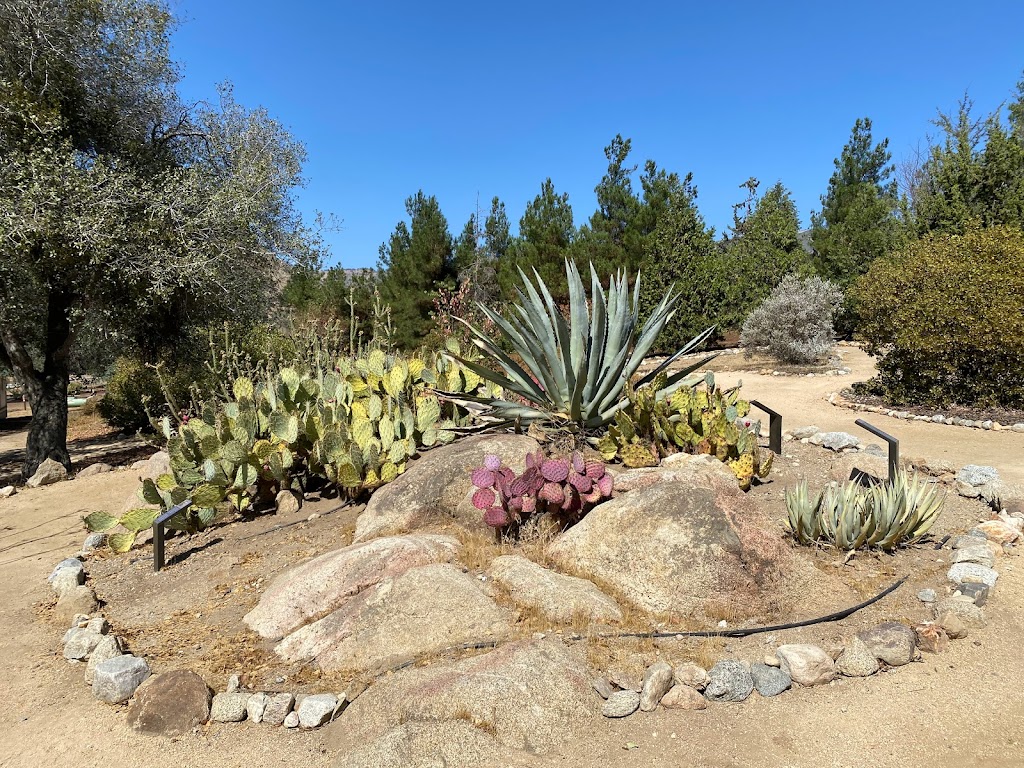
column 277, row 708
column 80, row 600
column 108, row 648
column 255, row 707
column 287, row 503
column 976, row 475
column 80, row 643
column 891, row 642
column 66, row 579
column 977, row 592
column 94, row 469
column 621, row 704
column 729, row 681
column 49, row 472
column 963, row 572
column 856, row 660
column 835, row 441
column 806, row 664
column 229, row 707
column 972, row 538
column 657, row 681
column 963, row 608
column 93, row 542
column 316, row 710
column 170, row 704
column 874, row 449
column 561, row 598
column 979, row 554
column 926, row 595
column 234, row 684
column 291, row 720
column 769, row 681
column 65, row 566
column 801, row 432
column 692, row 675
column 624, row 680
column 603, row 687
column 325, row 583
column 98, row 625
column 115, row 680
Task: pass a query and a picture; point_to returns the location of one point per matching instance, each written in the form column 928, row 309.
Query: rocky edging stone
column 837, row 399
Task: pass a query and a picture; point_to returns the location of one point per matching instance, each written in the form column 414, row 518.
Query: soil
column 960, row 708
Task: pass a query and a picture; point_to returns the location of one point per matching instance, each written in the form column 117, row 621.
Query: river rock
column 972, row 572
column 531, row 695
column 769, row 681
column 684, row 697
column 115, row 680
column 856, row 660
column 621, row 704
column 420, row 612
column 108, row 648
column 807, row 664
column 668, row 547
column 891, row 642
column 434, row 485
column 171, row 703
column 325, row 583
column 561, row 598
column 657, row 681
column 49, row 472
column 730, row 681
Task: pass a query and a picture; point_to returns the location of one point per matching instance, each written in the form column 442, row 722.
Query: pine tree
column 416, row 261
column 858, row 221
column 497, row 235
column 546, row 235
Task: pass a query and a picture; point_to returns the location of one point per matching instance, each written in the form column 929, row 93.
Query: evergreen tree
column 497, row 235
column 683, row 254
column 467, row 246
column 417, row 260
column 546, row 235
column 858, row 221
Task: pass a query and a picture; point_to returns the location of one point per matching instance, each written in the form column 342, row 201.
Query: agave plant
column 575, row 370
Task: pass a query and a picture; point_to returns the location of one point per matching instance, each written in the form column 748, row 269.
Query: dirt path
column 962, row 708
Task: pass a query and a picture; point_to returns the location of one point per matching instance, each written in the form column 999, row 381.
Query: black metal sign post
column 774, row 427
column 894, row 446
column 158, row 532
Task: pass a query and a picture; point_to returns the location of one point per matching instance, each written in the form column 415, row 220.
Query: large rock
column 229, row 707
column 456, row 744
column 115, row 680
column 969, row 614
column 561, row 598
column 49, row 472
column 769, row 681
column 171, row 704
column 107, row 648
column 434, row 485
column 80, row 600
column 80, row 643
column 684, row 697
column 658, row 681
column 730, row 681
column 421, row 612
column 530, row 695
column 703, row 471
column 316, row 710
column 972, row 572
column 856, row 660
column 323, row 584
column 975, row 475
column 807, row 664
column 891, row 642
column 621, row 704
column 671, row 547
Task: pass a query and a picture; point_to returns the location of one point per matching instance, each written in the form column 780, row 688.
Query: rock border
column 837, row 399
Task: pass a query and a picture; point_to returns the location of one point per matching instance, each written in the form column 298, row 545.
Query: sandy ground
column 961, row 708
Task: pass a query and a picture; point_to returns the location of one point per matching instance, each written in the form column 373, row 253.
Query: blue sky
column 472, row 100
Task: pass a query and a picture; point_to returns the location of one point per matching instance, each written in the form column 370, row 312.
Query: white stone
column 316, row 710
column 961, row 572
column 115, row 680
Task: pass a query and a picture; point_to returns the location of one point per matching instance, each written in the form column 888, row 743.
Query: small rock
column 49, row 472
column 234, row 684
column 730, row 681
column 621, row 704
column 692, row 675
column 931, row 637
column 316, row 710
column 977, row 592
column 953, row 626
column 94, row 469
column 972, row 538
column 964, row 609
column 291, row 720
column 874, row 449
column 603, row 687
column 998, row 531
column 80, row 643
column 835, row 441
column 255, row 707
column 288, row 503
column 976, row 475
column 93, row 542
column 98, row 625
column 229, row 707
column 115, row 680
column 66, row 579
column 684, row 697
column 6, row 492
column 856, row 660
column 891, row 642
column 69, row 564
column 806, row 664
column 624, row 681
column 961, row 572
column 802, row 432
column 658, row 680
column 771, row 660
column 769, row 681
column 279, row 705
column 979, row 554
column 926, row 595
column 171, row 704
column 107, row 648
column 81, row 599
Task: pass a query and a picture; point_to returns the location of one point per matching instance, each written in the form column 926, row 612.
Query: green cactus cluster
column 697, row 419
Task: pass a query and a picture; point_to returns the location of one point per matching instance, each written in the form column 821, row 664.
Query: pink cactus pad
column 519, row 486
column 496, row 517
column 492, row 462
column 579, row 466
column 593, row 497
column 482, row 477
column 483, row 498
column 534, row 460
column 553, row 493
column 516, row 502
column 595, row 470
column 529, row 504
column 555, row 470
column 581, row 483
column 605, row 484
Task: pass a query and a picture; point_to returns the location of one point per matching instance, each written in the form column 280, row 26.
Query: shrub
column 795, row 323
column 132, row 387
column 945, row 315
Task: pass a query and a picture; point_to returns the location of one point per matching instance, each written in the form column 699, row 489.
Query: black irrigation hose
column 837, row 616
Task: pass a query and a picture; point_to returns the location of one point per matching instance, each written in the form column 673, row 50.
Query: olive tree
column 121, row 208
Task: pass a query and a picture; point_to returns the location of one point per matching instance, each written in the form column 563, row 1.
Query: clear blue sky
column 472, row 100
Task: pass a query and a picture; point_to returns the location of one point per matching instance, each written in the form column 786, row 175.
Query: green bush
column 946, row 317
column 132, row 387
